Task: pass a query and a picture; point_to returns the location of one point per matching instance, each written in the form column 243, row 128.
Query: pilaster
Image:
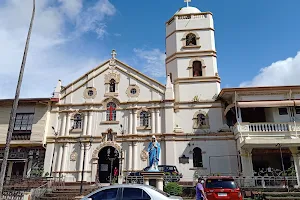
column 80, row 164
column 158, row 121
column 89, row 129
column 64, row 157
column 68, row 121
column 130, row 121
column 59, row 158
column 134, row 121
column 153, row 120
column 63, row 124
column 86, row 162
column 135, row 156
column 129, row 156
column 85, row 123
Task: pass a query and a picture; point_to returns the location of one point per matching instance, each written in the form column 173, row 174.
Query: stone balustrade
column 267, row 128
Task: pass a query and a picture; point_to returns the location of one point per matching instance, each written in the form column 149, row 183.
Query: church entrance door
column 108, row 164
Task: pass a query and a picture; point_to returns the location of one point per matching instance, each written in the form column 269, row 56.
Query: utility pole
column 15, row 105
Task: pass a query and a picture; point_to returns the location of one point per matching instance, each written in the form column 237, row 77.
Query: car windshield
column 160, row 191
column 220, row 183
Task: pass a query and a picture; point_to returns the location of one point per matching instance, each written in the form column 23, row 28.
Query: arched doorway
column 108, row 160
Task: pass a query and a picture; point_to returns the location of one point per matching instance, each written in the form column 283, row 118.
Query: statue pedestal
column 155, row 179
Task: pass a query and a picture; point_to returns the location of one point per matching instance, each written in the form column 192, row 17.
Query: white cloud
column 154, row 60
column 50, row 57
column 283, row 72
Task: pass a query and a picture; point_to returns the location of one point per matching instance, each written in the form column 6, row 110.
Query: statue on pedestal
column 154, row 152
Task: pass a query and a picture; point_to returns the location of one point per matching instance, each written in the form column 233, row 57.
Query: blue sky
column 257, row 41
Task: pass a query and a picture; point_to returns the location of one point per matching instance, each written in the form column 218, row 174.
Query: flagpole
column 15, row 105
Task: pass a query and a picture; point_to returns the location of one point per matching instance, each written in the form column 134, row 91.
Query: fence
column 241, row 181
column 13, row 195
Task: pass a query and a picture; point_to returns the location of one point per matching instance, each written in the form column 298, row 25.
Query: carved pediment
column 112, row 75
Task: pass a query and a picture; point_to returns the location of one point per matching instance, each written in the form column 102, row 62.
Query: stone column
column 58, row 159
column 135, row 156
column 90, row 121
column 86, row 163
column 146, row 181
column 247, row 166
column 160, row 184
column 85, row 123
column 80, row 160
column 153, row 121
column 25, row 169
column 130, row 121
column 296, row 159
column 68, row 121
column 134, row 121
column 29, row 165
column 246, row 158
column 158, row 125
column 129, row 156
column 64, row 158
column 63, row 124
column 9, row 170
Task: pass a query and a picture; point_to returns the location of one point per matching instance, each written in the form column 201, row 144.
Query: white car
column 129, row 192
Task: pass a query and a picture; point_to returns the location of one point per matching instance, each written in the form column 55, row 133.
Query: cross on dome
column 113, row 54
column 187, row 2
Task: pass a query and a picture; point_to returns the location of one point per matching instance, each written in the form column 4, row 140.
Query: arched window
column 112, row 85
column 197, row 68
column 191, row 39
column 111, row 112
column 77, row 123
column 197, row 157
column 144, row 118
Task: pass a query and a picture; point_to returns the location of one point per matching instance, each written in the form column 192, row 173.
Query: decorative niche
column 111, row 81
column 90, row 93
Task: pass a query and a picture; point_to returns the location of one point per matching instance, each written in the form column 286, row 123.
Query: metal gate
column 13, row 195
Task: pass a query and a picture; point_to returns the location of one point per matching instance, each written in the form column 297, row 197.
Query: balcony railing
column 267, row 129
column 21, row 135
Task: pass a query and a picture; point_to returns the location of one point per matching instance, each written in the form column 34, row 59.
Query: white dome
column 187, row 10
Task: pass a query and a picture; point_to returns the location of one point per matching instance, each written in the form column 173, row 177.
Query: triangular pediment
column 108, row 69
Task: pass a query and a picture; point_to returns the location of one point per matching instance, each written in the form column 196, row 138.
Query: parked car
column 222, row 187
column 129, row 192
column 167, row 169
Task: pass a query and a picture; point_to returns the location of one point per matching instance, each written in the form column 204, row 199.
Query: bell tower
column 191, row 55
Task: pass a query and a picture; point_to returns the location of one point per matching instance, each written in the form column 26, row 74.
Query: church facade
column 102, row 122
column 114, row 108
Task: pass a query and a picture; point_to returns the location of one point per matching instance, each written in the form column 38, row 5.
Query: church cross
column 113, row 54
column 111, row 109
column 187, row 2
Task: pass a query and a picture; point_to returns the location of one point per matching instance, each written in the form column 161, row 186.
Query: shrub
column 173, row 189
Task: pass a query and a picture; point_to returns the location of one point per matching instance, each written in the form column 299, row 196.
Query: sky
column 257, row 41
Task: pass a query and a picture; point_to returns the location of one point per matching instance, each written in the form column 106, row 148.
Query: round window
column 90, row 93
column 133, row 91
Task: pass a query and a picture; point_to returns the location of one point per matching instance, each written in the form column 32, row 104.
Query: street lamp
column 89, row 145
column 284, row 179
column 55, row 134
column 15, row 105
column 112, row 159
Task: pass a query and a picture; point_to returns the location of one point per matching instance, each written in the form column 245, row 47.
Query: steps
column 68, row 192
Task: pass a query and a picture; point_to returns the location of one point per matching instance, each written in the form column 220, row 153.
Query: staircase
column 69, row 191
column 272, row 194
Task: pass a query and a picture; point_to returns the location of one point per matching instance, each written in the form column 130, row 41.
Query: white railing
column 188, row 16
column 289, row 128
